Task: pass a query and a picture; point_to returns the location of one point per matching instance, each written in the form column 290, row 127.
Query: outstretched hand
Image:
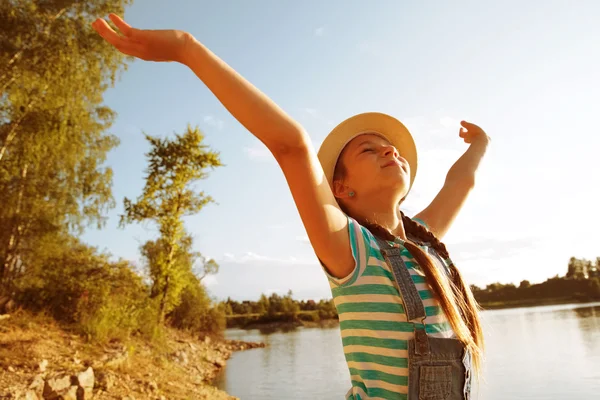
column 149, row 45
column 472, row 133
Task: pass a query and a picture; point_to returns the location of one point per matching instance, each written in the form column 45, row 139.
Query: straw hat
column 374, row 123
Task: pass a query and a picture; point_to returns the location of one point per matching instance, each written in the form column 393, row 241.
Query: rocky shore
column 40, row 360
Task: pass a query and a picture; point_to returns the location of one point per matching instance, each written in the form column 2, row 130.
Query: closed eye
column 365, row 150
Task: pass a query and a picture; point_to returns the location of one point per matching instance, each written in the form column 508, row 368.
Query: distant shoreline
column 287, row 324
column 524, row 303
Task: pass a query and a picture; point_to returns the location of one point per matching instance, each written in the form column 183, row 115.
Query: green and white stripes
column 373, row 324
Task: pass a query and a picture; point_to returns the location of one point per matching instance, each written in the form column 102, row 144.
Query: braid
column 463, row 295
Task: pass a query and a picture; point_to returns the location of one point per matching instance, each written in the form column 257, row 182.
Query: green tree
column 53, row 71
column 168, row 196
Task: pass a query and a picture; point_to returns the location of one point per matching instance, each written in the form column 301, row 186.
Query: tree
column 579, row 268
column 53, row 71
column 168, row 196
column 525, row 284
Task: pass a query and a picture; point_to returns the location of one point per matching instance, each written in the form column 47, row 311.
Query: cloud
column 210, row 280
column 312, row 112
column 257, row 259
column 434, row 132
column 259, row 152
column 320, row 31
column 212, row 121
column 448, row 122
column 493, row 248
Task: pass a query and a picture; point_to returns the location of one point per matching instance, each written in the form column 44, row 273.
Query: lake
column 549, row 353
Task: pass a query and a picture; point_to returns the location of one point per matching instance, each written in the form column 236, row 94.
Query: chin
column 399, row 186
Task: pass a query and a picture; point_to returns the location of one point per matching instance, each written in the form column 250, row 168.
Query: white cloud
column 312, row 112
column 212, row 121
column 210, row 280
column 259, row 152
column 257, row 259
column 448, row 122
column 320, row 31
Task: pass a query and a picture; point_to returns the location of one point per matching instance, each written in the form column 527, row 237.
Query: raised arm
column 460, row 180
column 325, row 224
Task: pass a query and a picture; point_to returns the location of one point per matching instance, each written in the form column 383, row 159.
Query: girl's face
column 371, row 166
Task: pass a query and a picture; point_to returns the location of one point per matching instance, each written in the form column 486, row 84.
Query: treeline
column 276, row 308
column 580, row 284
column 54, row 141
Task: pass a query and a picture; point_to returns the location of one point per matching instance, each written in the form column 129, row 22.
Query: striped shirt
column 374, row 327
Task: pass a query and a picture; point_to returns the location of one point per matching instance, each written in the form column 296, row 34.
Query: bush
column 103, row 299
column 311, row 316
column 196, row 313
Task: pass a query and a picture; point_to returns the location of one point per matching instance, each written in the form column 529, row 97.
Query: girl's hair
column 455, row 298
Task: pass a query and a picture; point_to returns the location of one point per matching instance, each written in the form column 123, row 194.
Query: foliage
column 77, row 285
column 174, row 166
column 196, row 313
column 275, row 308
column 54, row 70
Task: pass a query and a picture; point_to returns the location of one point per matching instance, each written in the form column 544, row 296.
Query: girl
column 409, row 324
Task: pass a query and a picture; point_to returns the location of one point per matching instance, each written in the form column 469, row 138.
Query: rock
column 11, row 369
column 105, row 380
column 37, row 386
column 42, row 365
column 117, row 361
column 54, row 388
column 76, row 360
column 192, row 346
column 181, row 357
column 71, row 394
column 31, row 395
column 153, row 386
column 219, row 362
column 207, row 340
column 86, row 379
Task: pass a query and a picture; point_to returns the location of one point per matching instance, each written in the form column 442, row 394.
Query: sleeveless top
column 374, row 326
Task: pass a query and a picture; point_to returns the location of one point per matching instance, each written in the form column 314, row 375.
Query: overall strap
column 415, row 311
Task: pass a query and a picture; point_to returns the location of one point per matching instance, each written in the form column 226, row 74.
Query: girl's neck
column 387, row 216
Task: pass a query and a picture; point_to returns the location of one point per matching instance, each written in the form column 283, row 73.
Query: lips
column 390, row 163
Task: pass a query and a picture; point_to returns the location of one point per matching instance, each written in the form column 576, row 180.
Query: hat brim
column 372, row 122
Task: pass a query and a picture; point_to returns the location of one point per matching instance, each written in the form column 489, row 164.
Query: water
column 549, row 353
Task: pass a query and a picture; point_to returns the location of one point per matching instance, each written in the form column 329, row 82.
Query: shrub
column 196, row 312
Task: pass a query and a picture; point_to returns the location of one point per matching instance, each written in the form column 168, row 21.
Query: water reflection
column 548, row 353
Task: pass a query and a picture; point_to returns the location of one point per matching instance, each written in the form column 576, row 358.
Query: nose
column 390, row 150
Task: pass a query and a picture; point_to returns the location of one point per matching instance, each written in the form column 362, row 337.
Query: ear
column 340, row 191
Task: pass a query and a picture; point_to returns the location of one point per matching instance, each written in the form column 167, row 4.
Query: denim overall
column 438, row 368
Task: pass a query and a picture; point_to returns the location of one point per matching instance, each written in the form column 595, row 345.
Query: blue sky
column 527, row 72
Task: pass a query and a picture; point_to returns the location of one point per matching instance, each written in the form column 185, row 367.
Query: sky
column 527, row 72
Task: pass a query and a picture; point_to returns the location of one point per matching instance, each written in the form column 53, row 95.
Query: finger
column 462, row 132
column 107, row 33
column 122, row 43
column 469, row 125
column 123, row 26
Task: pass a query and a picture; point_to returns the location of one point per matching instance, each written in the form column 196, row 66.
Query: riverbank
column 307, row 319
column 38, row 356
column 552, row 301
